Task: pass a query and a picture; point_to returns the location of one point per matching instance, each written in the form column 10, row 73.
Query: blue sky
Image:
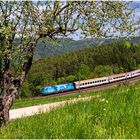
column 137, row 5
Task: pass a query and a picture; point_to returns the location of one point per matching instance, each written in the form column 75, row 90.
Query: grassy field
column 114, row 115
column 31, row 102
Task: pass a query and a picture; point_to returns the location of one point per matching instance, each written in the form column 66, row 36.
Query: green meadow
column 115, row 114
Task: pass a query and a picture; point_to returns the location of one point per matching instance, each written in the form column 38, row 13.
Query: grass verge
column 115, row 115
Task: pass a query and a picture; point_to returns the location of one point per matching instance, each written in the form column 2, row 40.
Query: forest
column 47, row 47
column 82, row 64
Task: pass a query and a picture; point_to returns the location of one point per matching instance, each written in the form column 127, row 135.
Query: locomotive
column 88, row 83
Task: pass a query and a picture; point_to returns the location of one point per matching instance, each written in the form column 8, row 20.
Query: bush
column 25, row 92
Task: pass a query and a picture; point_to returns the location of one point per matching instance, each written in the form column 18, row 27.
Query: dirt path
column 29, row 111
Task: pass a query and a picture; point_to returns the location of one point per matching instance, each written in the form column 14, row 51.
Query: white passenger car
column 135, row 73
column 91, row 82
column 117, row 77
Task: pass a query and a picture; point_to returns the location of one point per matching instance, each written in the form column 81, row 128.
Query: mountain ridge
column 68, row 45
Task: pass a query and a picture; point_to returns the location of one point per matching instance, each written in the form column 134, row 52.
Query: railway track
column 95, row 88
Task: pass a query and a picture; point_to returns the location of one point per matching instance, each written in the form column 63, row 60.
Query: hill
column 85, row 63
column 61, row 46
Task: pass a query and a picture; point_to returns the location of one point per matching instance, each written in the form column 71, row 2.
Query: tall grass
column 114, row 115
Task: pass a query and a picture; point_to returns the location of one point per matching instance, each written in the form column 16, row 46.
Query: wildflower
column 103, row 100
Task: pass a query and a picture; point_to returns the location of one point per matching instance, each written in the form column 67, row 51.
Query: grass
column 115, row 115
column 31, row 102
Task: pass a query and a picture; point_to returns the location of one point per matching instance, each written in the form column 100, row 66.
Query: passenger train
column 88, row 83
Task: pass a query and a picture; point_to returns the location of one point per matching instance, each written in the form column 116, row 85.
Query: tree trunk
column 6, row 102
column 8, row 95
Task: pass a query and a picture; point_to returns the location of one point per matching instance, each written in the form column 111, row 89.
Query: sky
column 136, row 4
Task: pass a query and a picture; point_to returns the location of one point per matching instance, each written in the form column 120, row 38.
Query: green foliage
column 25, row 90
column 84, row 64
column 114, row 115
column 83, row 72
column 117, row 69
column 36, row 81
column 65, row 45
column 61, row 80
column 101, row 71
column 127, row 44
column 71, row 78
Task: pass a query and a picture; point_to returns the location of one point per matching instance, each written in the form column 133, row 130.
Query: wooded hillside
column 61, row 46
column 82, row 64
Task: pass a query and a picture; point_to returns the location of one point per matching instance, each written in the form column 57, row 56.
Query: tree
column 24, row 23
column 83, row 72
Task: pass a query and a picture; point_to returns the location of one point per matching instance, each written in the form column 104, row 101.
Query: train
column 88, row 83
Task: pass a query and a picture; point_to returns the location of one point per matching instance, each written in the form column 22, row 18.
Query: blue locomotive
column 57, row 88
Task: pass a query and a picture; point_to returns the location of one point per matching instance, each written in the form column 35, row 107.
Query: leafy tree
column 61, row 80
column 101, row 71
column 83, row 72
column 71, row 78
column 127, row 44
column 25, row 90
column 24, row 23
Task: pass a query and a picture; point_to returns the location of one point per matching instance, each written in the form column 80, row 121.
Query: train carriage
column 91, row 82
column 135, row 73
column 117, row 77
